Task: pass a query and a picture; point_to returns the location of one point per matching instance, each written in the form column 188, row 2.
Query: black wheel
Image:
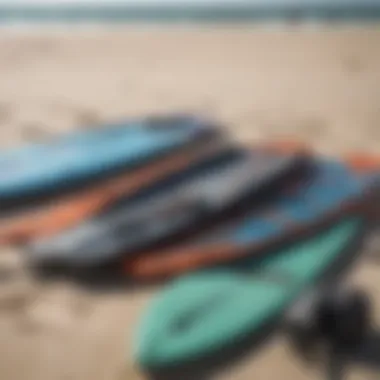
column 302, row 327
column 344, row 317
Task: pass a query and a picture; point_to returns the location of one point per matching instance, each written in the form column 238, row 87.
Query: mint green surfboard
column 200, row 314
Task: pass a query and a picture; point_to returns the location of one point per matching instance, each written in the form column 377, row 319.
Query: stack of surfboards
column 161, row 197
column 53, row 186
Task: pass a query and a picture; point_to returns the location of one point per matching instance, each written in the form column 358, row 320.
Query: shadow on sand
column 98, row 280
column 368, row 354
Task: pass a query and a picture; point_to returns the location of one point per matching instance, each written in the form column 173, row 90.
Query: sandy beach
column 321, row 86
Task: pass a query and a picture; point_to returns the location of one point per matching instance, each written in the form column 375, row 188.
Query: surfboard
column 330, row 192
column 189, row 204
column 135, row 128
column 67, row 161
column 201, row 315
column 70, row 210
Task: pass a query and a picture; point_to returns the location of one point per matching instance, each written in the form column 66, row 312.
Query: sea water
column 86, row 12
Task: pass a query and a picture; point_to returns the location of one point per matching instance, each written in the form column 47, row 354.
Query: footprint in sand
column 16, row 290
column 56, row 310
column 5, row 113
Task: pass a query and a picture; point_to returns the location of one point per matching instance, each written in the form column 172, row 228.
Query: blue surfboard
column 76, row 158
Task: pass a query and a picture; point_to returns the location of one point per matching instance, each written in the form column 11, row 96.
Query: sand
column 319, row 85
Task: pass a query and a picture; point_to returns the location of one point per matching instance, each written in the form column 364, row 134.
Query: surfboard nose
column 40, row 253
column 55, row 251
column 147, row 352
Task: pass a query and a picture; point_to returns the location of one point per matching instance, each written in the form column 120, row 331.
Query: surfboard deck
column 67, row 162
column 332, row 191
column 203, row 315
column 68, row 211
column 187, row 205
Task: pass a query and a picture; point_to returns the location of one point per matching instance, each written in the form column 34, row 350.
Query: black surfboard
column 187, row 205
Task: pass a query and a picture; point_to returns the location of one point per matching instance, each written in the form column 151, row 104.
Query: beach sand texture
column 321, row 86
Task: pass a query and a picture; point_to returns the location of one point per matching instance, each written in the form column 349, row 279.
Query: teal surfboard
column 33, row 170
column 201, row 314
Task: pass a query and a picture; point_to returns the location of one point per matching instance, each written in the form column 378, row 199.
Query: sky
column 197, row 2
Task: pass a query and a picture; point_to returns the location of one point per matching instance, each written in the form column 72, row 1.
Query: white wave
column 188, row 2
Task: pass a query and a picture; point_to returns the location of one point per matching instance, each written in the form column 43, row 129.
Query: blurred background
column 304, row 69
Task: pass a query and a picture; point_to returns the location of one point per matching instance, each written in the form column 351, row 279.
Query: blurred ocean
column 71, row 12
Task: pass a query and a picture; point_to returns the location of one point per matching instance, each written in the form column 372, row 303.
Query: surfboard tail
column 162, row 264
